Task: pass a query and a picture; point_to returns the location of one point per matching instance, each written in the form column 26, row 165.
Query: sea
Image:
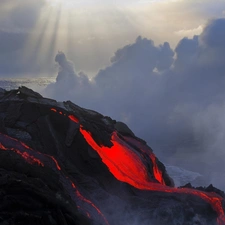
column 36, row 84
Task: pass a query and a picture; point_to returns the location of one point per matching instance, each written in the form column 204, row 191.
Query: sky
column 158, row 66
column 33, row 31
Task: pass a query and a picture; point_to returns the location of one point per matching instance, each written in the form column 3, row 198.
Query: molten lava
column 156, row 171
column 123, row 163
column 147, row 151
column 126, row 165
column 73, row 118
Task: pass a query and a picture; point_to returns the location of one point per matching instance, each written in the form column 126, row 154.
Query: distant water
column 181, row 176
column 37, row 84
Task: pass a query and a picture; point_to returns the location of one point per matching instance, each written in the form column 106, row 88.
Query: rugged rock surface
column 62, row 164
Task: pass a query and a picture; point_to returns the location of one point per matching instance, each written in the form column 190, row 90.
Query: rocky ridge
column 63, row 164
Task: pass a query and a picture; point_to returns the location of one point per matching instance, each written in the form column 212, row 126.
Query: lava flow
column 126, row 166
column 146, row 150
column 34, row 157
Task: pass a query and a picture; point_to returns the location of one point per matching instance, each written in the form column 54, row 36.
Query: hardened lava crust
column 63, row 164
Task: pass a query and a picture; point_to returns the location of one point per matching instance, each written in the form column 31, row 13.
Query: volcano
column 63, row 164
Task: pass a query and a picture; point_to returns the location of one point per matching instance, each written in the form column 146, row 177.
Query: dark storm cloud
column 173, row 99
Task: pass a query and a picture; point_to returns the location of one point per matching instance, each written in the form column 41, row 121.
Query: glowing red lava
column 29, row 158
column 146, row 150
column 56, row 163
column 34, row 157
column 156, row 171
column 73, row 118
column 123, row 163
column 126, row 166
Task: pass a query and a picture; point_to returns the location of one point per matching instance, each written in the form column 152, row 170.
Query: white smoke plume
column 174, row 99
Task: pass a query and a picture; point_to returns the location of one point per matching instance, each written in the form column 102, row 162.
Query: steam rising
column 174, row 99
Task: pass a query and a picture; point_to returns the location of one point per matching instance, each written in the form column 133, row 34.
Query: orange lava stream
column 157, row 173
column 73, row 118
column 146, row 150
column 126, row 166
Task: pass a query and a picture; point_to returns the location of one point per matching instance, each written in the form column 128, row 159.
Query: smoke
column 70, row 85
column 174, row 99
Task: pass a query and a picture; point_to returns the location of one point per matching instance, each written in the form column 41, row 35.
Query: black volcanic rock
column 59, row 165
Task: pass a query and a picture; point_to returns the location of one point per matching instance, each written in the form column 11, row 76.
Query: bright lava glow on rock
column 147, row 151
column 126, row 166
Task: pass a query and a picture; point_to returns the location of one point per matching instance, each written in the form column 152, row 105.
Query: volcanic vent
column 62, row 164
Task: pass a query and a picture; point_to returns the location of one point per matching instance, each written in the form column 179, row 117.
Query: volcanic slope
column 63, row 164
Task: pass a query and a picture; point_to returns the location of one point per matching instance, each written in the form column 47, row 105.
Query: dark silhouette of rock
column 62, row 164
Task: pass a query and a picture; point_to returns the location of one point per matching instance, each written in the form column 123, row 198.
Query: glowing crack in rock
column 34, row 157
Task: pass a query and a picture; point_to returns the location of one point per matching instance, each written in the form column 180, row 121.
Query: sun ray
column 76, row 29
column 37, row 36
column 38, row 44
column 51, row 48
column 7, row 9
column 69, row 34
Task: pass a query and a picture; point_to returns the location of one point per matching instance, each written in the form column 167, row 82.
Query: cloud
column 189, row 32
column 69, row 83
column 93, row 30
column 214, row 34
column 172, row 99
